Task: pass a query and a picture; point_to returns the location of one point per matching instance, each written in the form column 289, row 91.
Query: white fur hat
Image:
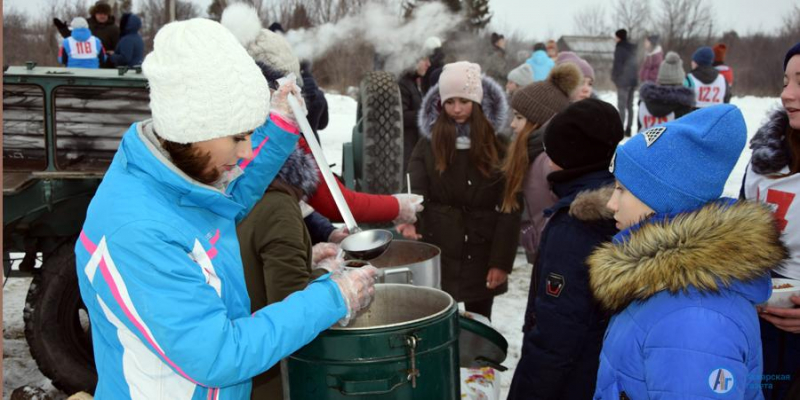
column 262, row 44
column 203, row 84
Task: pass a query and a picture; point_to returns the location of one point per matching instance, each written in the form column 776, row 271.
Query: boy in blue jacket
column 562, row 343
column 684, row 275
column 81, row 49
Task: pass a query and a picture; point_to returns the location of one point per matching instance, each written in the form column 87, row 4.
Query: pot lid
column 480, row 345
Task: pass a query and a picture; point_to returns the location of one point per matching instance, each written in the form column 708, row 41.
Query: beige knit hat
column 262, row 44
column 203, row 85
column 539, row 101
column 461, row 79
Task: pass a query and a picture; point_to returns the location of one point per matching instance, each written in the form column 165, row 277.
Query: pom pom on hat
column 671, row 70
column 461, row 79
column 539, row 101
column 682, row 164
column 263, row 45
column 203, row 84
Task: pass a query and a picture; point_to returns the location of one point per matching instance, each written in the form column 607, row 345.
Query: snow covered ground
column 19, row 368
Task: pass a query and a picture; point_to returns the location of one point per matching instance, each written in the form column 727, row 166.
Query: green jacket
column 276, row 254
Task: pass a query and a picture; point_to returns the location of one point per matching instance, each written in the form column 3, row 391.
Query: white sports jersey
column 708, row 94
column 782, row 195
column 648, row 120
column 83, row 50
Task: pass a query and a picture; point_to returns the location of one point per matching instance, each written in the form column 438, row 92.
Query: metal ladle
column 360, row 244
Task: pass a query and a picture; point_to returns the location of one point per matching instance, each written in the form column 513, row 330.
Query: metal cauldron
column 408, row 262
column 404, row 346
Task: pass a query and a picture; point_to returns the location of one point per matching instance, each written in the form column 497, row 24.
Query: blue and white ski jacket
column 161, row 274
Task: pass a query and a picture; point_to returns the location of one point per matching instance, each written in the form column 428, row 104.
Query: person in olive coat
column 455, row 166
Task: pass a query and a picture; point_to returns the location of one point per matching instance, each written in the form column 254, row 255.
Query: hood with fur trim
column 664, row 99
column 771, row 153
column 300, row 171
column 700, row 249
column 590, row 205
column 494, row 104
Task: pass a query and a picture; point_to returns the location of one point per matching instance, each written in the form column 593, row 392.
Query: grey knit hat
column 539, row 101
column 671, row 70
column 522, row 75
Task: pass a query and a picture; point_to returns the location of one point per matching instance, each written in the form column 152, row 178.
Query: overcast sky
column 545, row 19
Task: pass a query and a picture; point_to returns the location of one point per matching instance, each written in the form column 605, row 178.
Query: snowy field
column 19, row 369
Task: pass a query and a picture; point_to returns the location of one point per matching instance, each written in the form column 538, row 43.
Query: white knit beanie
column 262, row 44
column 203, row 84
column 461, row 79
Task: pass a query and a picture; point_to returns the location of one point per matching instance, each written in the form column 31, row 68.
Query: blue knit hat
column 795, row 50
column 703, row 56
column 682, row 164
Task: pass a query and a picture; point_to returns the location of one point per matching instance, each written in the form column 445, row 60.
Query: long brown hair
column 484, row 148
column 514, row 167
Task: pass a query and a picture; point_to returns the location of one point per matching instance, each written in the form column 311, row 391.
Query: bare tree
column 632, row 15
column 791, row 23
column 154, row 16
column 591, row 21
column 683, row 22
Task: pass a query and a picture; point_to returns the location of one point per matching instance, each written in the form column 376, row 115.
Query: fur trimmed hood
column 770, row 150
column 663, row 99
column 590, row 205
column 701, row 249
column 300, row 171
column 494, row 104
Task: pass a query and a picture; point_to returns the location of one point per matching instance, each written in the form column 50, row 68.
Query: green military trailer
column 61, row 128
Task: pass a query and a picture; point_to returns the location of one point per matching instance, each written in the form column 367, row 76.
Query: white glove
column 321, row 251
column 410, row 205
column 357, row 286
column 279, row 103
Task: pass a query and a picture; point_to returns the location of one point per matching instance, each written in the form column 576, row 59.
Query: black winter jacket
column 564, row 326
column 625, row 71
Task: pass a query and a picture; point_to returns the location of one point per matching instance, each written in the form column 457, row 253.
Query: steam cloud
column 400, row 41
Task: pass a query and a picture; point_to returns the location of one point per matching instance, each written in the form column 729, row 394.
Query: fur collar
column 590, row 205
column 300, row 171
column 770, row 151
column 495, row 107
column 678, row 95
column 705, row 249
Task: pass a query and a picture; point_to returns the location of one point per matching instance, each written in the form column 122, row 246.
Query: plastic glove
column 279, row 104
column 332, row 264
column 409, row 231
column 410, row 205
column 338, row 235
column 321, row 251
column 357, row 286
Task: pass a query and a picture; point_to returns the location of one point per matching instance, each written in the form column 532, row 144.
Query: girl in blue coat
column 686, row 272
column 158, row 259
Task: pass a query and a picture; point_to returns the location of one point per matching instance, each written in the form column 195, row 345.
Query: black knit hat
column 622, row 34
column 582, row 138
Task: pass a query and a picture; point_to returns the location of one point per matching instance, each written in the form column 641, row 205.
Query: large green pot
column 405, row 346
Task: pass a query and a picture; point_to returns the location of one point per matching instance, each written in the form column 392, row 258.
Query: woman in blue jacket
column 684, row 275
column 158, row 259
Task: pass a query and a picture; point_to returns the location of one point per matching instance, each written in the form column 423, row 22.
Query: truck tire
column 382, row 132
column 57, row 324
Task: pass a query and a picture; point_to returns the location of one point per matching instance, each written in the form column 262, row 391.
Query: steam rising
column 399, row 40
